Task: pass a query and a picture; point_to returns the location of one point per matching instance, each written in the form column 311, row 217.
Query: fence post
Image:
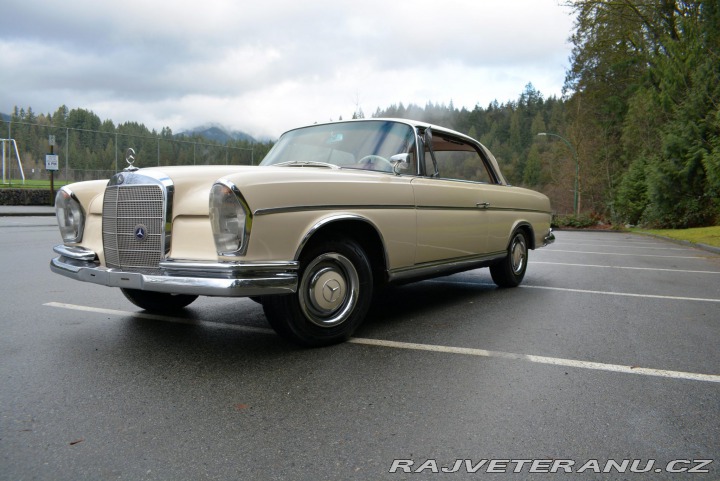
column 67, row 154
column 116, row 169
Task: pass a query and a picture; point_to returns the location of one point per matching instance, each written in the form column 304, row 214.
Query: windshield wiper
column 306, row 163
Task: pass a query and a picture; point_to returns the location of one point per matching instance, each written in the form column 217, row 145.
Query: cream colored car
column 334, row 212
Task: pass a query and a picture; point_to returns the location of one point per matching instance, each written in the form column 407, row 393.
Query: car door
column 452, row 201
column 451, row 222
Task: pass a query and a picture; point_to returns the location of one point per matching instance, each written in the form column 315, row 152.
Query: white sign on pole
column 51, row 162
column 51, row 139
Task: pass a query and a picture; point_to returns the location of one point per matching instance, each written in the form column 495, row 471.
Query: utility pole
column 52, row 164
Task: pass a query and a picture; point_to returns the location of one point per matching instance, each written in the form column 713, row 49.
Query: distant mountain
column 217, row 133
column 4, row 117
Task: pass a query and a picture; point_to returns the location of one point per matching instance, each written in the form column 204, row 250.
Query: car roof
column 410, row 122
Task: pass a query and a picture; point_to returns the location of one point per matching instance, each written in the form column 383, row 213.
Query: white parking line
column 157, row 317
column 624, row 267
column 597, row 366
column 628, row 246
column 618, row 254
column 625, row 294
column 584, row 291
column 616, row 242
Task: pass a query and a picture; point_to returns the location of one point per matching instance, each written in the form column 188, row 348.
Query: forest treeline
column 641, row 111
column 645, row 107
column 90, row 148
column 637, row 129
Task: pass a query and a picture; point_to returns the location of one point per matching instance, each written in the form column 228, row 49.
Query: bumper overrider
column 549, row 238
column 226, row 279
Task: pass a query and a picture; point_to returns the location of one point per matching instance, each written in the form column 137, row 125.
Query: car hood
column 270, row 187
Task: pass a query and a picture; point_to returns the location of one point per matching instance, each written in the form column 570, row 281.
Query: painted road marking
column 618, row 242
column 617, row 254
column 583, row 291
column 597, row 366
column 625, row 294
column 625, row 267
column 627, row 246
column 158, row 317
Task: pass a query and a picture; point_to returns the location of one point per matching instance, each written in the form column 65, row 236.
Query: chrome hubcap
column 518, row 254
column 329, row 290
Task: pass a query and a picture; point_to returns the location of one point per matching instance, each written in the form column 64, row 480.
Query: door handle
column 482, row 205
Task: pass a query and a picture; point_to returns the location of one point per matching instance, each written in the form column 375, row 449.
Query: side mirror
column 400, row 162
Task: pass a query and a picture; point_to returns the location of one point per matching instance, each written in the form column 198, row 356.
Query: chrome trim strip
column 433, row 269
column 211, row 269
column 480, row 206
column 512, row 209
column 335, row 218
column 231, row 279
column 309, row 208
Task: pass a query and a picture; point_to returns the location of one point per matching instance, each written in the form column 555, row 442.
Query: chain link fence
column 85, row 154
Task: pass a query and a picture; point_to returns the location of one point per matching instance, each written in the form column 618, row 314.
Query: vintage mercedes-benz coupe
column 334, row 212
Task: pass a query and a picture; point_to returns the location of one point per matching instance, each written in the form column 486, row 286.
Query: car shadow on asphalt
column 229, row 324
column 407, row 302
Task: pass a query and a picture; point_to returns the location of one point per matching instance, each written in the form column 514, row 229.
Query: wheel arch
column 356, row 227
column 527, row 229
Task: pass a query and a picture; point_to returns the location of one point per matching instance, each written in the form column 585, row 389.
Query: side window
column 429, row 167
column 458, row 160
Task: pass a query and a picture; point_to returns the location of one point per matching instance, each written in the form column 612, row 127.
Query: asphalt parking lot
column 605, row 359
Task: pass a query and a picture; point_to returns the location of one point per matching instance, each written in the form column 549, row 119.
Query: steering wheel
column 376, row 162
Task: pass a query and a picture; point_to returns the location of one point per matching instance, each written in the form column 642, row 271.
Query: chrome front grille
column 133, row 224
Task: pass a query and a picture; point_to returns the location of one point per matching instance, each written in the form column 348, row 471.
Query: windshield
column 366, row 145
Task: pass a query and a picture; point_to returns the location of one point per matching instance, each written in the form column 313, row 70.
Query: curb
column 27, row 214
column 705, row 247
column 23, row 210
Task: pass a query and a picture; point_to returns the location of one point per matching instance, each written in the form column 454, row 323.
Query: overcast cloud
column 269, row 65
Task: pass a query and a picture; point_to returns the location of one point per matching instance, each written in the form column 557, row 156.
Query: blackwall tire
column 510, row 271
column 158, row 301
column 335, row 289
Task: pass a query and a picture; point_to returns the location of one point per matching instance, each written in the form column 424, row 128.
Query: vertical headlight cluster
column 70, row 215
column 230, row 219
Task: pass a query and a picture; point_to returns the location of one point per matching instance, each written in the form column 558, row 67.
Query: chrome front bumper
column 227, row 279
column 549, row 238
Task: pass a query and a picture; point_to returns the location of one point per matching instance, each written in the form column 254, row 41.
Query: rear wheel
column 158, row 301
column 334, row 294
column 510, row 271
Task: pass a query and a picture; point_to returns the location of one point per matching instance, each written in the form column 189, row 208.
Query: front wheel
column 158, row 301
column 334, row 293
column 510, row 271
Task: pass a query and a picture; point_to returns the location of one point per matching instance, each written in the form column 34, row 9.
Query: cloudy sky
column 269, row 65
